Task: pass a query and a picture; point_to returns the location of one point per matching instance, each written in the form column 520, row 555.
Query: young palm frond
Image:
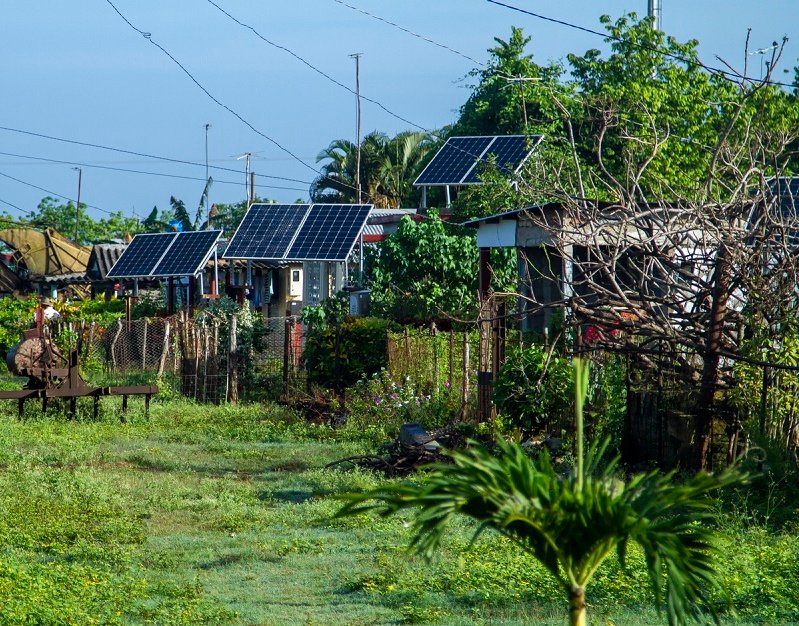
column 570, row 524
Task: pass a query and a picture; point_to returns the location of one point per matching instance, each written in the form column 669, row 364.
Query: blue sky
column 77, row 71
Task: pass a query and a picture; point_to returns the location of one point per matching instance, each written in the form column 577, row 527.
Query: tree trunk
column 710, row 371
column 577, row 606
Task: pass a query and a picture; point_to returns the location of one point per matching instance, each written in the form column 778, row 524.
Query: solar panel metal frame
column 348, row 233
column 119, row 269
column 175, row 253
column 311, row 211
column 246, row 224
column 474, row 159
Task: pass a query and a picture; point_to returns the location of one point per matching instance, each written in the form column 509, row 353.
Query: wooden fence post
column 288, row 331
column 233, row 366
column 164, row 350
column 465, row 379
column 144, row 347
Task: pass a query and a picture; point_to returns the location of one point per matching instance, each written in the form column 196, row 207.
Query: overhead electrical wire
column 148, row 37
column 53, row 193
column 13, row 206
column 141, row 154
column 313, row 67
column 132, row 171
column 731, row 76
column 410, row 32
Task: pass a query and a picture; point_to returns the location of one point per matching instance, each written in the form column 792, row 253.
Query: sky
column 141, row 79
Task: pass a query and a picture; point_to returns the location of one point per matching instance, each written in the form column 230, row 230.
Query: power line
column 410, row 32
column 53, row 193
column 148, row 37
column 312, row 66
column 132, row 171
column 140, row 154
column 14, row 206
column 731, row 76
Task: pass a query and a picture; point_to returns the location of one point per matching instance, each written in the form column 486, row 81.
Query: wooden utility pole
column 77, row 205
column 357, row 57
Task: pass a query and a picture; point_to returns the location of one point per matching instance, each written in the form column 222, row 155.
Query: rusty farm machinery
column 55, row 375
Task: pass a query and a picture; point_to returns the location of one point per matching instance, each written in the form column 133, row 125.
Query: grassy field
column 223, row 515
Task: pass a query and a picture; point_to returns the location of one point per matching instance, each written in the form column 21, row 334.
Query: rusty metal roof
column 102, row 259
column 46, row 253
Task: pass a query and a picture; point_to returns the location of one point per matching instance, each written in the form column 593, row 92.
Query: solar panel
column 266, row 231
column 188, row 254
column 453, row 161
column 329, row 232
column 142, row 255
column 298, row 232
column 459, row 160
column 509, row 153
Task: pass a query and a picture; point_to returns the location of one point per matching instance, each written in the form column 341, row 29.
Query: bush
column 338, row 355
column 534, row 388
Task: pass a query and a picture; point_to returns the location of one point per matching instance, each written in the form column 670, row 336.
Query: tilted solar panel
column 329, row 232
column 453, row 161
column 509, row 153
column 188, row 254
column 266, row 231
column 142, row 255
column 461, row 160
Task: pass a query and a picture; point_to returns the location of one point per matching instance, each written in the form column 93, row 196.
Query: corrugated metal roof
column 102, row 259
column 384, row 222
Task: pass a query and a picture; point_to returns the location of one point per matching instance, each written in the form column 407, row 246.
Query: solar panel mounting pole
column 357, row 57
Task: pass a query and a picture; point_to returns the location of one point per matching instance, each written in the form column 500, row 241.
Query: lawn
column 223, row 515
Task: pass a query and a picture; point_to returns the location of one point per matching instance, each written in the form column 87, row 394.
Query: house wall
column 541, row 282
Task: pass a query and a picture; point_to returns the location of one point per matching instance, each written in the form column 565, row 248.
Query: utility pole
column 77, row 206
column 207, row 206
column 357, row 57
column 655, row 11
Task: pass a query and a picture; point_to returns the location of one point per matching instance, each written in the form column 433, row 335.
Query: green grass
column 223, row 515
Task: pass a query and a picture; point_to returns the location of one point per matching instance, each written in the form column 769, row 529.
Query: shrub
column 337, row 355
column 534, row 388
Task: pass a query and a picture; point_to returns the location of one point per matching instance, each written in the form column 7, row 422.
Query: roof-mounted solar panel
column 142, row 255
column 165, row 254
column 266, row 232
column 329, row 232
column 298, row 232
column 188, row 253
column 460, row 160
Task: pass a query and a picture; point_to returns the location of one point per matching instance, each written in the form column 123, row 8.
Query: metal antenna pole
column 77, row 205
column 247, row 156
column 655, row 11
column 357, row 57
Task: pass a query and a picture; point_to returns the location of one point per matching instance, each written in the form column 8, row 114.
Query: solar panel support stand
column 446, row 191
column 424, row 197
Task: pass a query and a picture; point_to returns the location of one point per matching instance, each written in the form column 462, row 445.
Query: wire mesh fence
column 207, row 359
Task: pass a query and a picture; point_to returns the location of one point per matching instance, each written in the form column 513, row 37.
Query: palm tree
column 337, row 181
column 405, row 155
column 388, row 167
column 571, row 524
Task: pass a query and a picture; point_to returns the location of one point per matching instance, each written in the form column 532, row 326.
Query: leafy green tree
column 510, row 89
column 571, row 524
column 52, row 214
column 425, row 271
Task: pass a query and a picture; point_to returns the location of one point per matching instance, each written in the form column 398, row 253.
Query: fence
column 206, row 359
